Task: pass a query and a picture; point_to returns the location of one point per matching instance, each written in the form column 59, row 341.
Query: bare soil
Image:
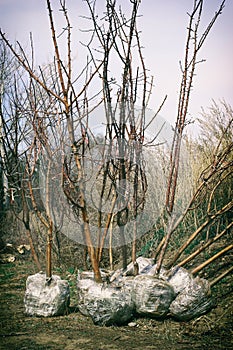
column 74, row 331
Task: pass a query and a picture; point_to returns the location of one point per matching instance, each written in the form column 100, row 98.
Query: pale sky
column 163, row 25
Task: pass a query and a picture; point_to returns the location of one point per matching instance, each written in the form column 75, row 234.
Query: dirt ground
column 74, row 331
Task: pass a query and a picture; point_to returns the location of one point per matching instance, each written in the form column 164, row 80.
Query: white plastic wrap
column 150, row 270
column 193, row 300
column 106, row 304
column 152, row 296
column 179, row 278
column 121, row 295
column 85, row 280
column 143, row 264
column 46, row 299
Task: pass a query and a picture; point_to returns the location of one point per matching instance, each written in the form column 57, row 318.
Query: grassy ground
column 74, row 331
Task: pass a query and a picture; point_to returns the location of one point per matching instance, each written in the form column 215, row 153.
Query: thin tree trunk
column 49, row 251
column 26, row 221
column 227, row 207
column 134, row 249
column 203, row 247
column 219, row 278
column 210, row 260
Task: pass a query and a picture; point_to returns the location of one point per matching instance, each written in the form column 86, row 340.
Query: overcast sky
column 163, row 25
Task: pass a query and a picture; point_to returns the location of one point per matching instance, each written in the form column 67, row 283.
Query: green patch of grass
column 71, row 270
column 6, row 272
column 9, row 295
column 21, row 286
column 58, row 270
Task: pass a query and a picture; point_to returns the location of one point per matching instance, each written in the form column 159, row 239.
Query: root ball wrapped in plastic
column 109, row 305
column 106, row 304
column 46, row 298
column 193, row 301
column 152, row 296
column 179, row 278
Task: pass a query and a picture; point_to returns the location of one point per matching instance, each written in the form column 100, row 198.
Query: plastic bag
column 193, row 300
column 143, row 264
column 46, row 298
column 179, row 278
column 107, row 304
column 152, row 296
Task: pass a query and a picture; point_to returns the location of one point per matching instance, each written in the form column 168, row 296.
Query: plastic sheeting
column 46, row 298
column 179, row 278
column 109, row 306
column 193, row 301
column 106, row 304
column 121, row 295
column 85, row 280
column 152, row 296
column 143, row 263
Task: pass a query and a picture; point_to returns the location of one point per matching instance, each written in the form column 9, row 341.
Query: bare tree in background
column 14, row 135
